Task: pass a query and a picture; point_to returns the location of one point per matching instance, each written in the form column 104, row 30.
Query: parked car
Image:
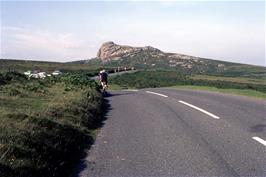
column 34, row 76
column 56, row 73
column 27, row 73
column 40, row 75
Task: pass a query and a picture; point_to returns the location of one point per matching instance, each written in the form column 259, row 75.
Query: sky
column 66, row 30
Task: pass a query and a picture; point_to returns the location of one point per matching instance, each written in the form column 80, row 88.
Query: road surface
column 169, row 133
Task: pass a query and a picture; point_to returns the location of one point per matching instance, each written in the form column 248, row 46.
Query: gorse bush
column 77, row 80
column 39, row 85
column 12, row 76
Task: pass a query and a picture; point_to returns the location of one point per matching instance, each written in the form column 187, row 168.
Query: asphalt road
column 167, row 132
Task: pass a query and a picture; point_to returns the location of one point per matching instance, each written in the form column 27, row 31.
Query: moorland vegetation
column 45, row 124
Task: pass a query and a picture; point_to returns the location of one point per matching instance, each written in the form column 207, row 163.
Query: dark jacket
column 103, row 77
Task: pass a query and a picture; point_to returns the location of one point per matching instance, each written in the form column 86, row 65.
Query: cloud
column 40, row 44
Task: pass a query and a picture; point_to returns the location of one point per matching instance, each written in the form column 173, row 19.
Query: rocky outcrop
column 111, row 50
column 148, row 57
column 112, row 54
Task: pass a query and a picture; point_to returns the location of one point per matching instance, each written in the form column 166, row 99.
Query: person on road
column 103, row 79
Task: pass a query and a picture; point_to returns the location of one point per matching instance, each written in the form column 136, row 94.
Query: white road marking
column 259, row 140
column 199, row 109
column 157, row 94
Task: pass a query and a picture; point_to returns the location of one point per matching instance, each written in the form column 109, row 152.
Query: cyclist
column 104, row 80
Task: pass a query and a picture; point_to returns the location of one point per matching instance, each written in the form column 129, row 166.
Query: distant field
column 162, row 78
column 261, row 81
column 242, row 92
column 24, row 65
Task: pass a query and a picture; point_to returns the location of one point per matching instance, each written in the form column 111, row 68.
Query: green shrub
column 78, row 80
column 145, row 79
column 12, row 76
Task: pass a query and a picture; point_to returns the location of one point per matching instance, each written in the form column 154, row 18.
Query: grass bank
column 46, row 124
column 242, row 92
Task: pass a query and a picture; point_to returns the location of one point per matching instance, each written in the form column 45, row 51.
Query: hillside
column 113, row 55
column 45, row 66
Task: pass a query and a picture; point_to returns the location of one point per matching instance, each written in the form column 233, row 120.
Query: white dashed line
column 259, row 140
column 199, row 109
column 157, row 94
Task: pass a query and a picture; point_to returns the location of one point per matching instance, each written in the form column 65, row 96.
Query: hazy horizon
column 70, row 31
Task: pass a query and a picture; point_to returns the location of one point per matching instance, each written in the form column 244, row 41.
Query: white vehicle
column 40, row 75
column 27, row 73
column 56, row 73
column 34, row 76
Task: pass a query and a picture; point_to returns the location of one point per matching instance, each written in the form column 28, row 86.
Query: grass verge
column 46, row 124
column 242, row 92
